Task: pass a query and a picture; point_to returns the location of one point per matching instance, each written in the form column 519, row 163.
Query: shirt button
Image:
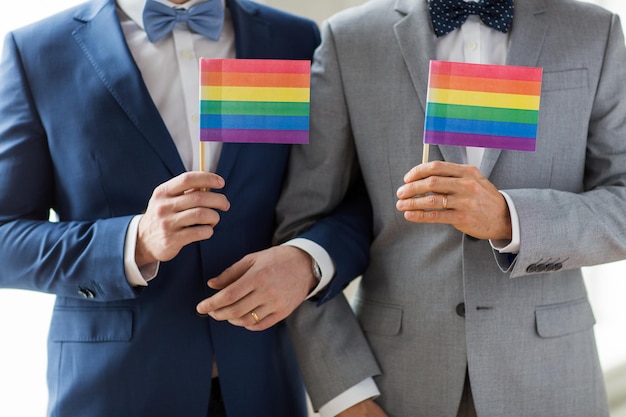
column 186, row 54
column 195, row 118
column 472, row 46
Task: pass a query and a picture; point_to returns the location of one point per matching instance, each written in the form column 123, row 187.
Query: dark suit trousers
column 216, row 402
column 466, row 407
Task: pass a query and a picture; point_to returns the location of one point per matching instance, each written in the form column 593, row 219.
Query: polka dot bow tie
column 448, row 15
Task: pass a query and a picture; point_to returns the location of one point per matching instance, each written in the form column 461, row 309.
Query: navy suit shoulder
column 290, row 36
column 79, row 133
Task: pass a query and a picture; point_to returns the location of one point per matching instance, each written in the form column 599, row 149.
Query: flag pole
column 425, row 153
column 202, row 156
column 202, row 164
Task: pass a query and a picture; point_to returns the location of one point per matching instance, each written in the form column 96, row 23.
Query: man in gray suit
column 474, row 301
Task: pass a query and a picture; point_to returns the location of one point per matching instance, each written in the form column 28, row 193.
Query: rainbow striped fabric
column 487, row 106
column 254, row 100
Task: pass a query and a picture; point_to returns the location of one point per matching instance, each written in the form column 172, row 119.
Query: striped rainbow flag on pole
column 254, row 100
column 487, row 106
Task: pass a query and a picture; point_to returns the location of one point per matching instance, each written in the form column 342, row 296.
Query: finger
column 236, row 311
column 228, row 303
column 428, row 202
column 426, row 170
column 198, row 198
column 191, row 180
column 426, row 186
column 264, row 324
column 428, row 216
column 432, row 216
column 231, row 274
column 196, row 233
column 254, row 318
column 439, row 168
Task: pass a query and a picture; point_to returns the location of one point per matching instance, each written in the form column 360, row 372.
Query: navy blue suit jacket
column 80, row 134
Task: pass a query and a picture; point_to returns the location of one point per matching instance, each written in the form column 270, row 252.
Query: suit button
column 541, row 267
column 460, row 310
column 558, row 266
column 86, row 293
column 549, row 267
column 531, row 268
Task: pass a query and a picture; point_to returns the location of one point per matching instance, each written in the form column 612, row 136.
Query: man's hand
column 179, row 212
column 459, row 195
column 261, row 289
column 367, row 408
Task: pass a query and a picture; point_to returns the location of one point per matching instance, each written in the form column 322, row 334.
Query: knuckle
column 432, row 181
column 432, row 216
column 229, row 297
column 437, row 164
column 474, row 170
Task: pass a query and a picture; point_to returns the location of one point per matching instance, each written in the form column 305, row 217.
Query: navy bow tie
column 205, row 18
column 448, row 15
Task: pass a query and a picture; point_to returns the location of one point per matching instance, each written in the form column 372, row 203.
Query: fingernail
column 202, row 315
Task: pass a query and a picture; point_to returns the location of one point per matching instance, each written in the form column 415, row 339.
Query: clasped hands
column 273, row 282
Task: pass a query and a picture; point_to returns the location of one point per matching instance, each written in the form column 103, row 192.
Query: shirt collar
column 134, row 8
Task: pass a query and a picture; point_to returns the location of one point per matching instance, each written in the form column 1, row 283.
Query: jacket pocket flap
column 564, row 318
column 383, row 319
column 91, row 325
column 564, row 80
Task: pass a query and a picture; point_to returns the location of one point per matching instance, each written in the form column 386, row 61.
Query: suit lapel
column 416, row 40
column 102, row 41
column 252, row 35
column 527, row 35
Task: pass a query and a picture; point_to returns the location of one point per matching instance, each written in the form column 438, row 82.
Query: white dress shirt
column 174, row 89
column 476, row 43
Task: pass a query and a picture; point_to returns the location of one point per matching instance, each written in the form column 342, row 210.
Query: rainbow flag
column 254, row 100
column 488, row 106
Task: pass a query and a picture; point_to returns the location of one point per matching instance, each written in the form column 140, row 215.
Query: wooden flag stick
column 425, row 153
column 202, row 156
column 202, row 163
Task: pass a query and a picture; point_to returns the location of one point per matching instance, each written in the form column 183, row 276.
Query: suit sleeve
column 561, row 229
column 332, row 350
column 325, row 199
column 346, row 236
column 81, row 259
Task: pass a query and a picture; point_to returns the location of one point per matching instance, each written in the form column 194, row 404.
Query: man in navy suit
column 98, row 122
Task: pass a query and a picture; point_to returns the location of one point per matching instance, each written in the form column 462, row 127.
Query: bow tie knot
column 181, row 15
column 205, row 18
column 447, row 15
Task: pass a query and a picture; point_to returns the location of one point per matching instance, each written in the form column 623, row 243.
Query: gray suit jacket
column 527, row 331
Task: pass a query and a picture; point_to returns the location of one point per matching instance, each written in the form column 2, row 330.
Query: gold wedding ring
column 444, row 201
column 255, row 317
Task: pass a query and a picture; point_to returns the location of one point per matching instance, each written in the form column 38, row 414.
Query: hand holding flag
column 488, row 106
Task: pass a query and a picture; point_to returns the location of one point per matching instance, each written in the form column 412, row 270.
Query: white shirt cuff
column 362, row 391
column 137, row 277
column 512, row 246
column 320, row 256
